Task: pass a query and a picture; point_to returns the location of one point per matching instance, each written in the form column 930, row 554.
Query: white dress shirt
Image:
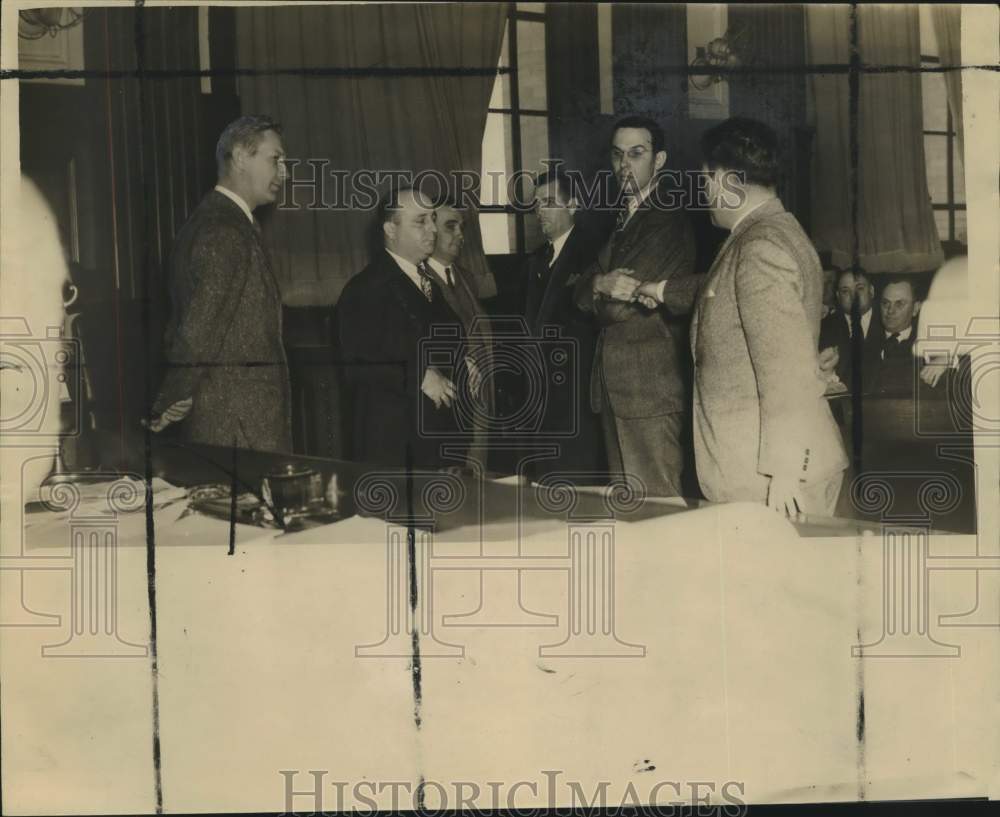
column 866, row 321
column 439, row 270
column 558, row 244
column 237, row 198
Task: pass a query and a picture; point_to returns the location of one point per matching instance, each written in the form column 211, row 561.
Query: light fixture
column 36, row 23
column 722, row 52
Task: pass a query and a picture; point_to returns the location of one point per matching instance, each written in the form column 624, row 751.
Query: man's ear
column 573, row 205
column 659, row 160
column 240, row 157
column 916, row 308
column 389, row 229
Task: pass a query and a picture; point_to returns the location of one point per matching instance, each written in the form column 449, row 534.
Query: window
column 517, row 133
column 945, row 174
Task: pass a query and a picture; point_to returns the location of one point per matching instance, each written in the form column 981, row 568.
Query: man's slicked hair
column 744, row 145
column 245, row 132
column 655, row 131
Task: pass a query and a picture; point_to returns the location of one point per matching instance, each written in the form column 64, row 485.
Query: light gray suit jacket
column 758, row 395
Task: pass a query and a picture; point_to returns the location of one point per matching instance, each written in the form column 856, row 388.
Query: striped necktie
column 426, row 285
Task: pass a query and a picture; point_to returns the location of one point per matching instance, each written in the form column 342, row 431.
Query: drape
column 895, row 229
column 360, row 122
column 948, row 31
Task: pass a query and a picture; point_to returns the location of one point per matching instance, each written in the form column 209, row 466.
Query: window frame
column 951, row 137
column 515, row 112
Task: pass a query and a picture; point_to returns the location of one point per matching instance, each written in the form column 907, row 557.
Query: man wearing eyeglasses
column 639, row 383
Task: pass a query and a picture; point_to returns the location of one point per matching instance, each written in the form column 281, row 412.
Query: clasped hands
column 621, row 285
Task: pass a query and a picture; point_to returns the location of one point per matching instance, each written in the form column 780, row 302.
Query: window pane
column 498, row 159
column 531, row 64
column 935, row 101
column 959, row 174
column 961, row 227
column 537, row 8
column 936, row 156
column 534, row 142
column 499, row 233
column 501, row 85
column 941, row 217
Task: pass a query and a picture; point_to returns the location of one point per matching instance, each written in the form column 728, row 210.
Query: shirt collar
column 903, row 335
column 866, row 321
column 558, row 244
column 407, row 267
column 440, row 268
column 237, row 199
column 751, row 212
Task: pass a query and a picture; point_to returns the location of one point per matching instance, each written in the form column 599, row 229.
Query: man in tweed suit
column 638, row 381
column 227, row 376
column 762, row 429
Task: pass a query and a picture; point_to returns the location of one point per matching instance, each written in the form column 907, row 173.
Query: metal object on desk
column 296, row 494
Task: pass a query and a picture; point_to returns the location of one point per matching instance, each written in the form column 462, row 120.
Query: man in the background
column 461, row 291
column 836, row 331
column 402, row 406
column 227, row 375
column 896, row 368
column 638, row 381
column 551, row 275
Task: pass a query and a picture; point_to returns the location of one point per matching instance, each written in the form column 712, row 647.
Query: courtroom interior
column 583, row 370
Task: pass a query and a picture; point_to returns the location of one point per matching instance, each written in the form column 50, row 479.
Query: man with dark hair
column 404, row 408
column 551, row 275
column 854, row 297
column 462, row 291
column 227, row 376
column 763, row 430
column 638, row 381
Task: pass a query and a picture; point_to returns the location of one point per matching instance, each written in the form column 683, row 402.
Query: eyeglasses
column 633, row 154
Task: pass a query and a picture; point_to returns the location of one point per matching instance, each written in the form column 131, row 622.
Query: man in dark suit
column 854, row 290
column 553, row 271
column 403, row 408
column 227, row 376
column 896, row 369
column 639, row 380
column 463, row 292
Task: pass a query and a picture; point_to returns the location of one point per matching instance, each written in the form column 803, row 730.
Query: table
column 515, row 636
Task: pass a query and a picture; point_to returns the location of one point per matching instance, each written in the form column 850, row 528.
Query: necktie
column 890, row 348
column 623, row 214
column 426, row 285
column 257, row 228
column 448, row 277
column 547, row 255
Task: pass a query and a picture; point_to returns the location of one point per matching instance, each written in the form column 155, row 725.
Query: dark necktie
column 449, row 278
column 890, row 348
column 547, row 255
column 257, row 228
column 622, row 219
column 426, row 284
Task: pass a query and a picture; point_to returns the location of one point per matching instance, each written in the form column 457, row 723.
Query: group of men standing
column 721, row 364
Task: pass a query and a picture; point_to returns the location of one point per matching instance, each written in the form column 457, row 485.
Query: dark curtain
column 409, row 123
column 895, row 229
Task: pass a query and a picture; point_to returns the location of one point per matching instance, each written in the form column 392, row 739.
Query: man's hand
column 827, row 360
column 438, row 388
column 784, row 496
column 931, row 373
column 648, row 294
column 475, row 378
column 175, row 413
column 619, row 285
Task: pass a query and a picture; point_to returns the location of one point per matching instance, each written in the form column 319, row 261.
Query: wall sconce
column 36, row 23
column 722, row 52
